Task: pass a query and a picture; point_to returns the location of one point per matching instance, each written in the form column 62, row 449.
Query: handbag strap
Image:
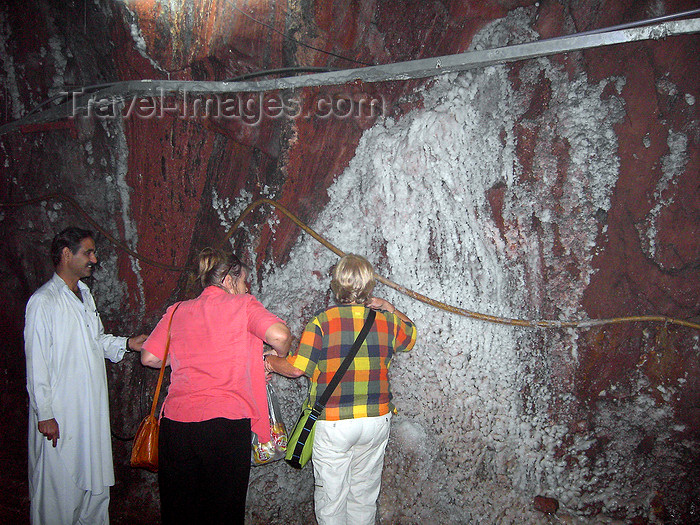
column 162, row 366
column 333, row 383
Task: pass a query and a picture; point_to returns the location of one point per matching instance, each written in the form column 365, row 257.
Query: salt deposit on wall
column 478, row 432
column 10, row 80
column 120, row 161
column 672, row 166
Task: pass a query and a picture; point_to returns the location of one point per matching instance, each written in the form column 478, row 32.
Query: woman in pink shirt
column 216, row 395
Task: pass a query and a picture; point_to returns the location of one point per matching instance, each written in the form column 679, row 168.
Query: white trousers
column 56, row 500
column 348, row 458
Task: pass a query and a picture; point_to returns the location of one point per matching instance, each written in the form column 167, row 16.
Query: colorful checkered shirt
column 364, row 390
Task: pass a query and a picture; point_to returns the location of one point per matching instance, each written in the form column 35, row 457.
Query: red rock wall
column 167, row 168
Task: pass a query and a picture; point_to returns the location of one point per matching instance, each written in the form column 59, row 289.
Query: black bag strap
column 333, row 383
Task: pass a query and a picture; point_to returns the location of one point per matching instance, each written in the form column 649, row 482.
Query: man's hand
column 49, row 428
column 136, row 342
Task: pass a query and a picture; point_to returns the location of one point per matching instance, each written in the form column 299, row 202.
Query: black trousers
column 203, row 471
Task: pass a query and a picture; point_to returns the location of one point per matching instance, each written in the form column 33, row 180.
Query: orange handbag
column 144, row 453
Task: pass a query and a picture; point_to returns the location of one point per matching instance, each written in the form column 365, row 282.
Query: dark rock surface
column 168, row 186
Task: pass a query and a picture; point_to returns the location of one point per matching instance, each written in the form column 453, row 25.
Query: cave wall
column 563, row 187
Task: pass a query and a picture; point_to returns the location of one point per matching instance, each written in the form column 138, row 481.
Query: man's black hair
column 69, row 238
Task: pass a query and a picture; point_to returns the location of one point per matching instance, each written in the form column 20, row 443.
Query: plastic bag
column 276, row 448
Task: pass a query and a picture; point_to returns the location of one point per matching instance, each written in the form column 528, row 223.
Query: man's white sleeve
column 114, row 347
column 38, row 345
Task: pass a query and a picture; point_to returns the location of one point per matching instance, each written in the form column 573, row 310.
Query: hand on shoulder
column 377, row 303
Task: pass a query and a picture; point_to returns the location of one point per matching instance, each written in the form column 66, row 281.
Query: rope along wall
column 533, row 323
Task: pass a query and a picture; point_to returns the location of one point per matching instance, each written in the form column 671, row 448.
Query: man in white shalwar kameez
column 70, row 448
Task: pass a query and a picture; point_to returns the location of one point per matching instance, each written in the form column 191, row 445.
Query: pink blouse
column 216, row 347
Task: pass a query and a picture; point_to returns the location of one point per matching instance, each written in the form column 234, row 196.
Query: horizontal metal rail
column 413, row 69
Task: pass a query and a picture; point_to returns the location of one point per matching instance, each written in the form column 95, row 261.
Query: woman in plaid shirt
column 353, row 430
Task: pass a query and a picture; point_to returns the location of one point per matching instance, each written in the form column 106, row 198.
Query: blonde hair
column 215, row 265
column 353, row 279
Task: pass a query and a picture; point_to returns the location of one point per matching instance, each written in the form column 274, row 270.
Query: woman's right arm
column 310, row 339
column 279, row 337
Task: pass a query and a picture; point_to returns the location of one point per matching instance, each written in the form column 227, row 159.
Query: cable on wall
column 272, row 28
column 531, row 323
column 116, row 242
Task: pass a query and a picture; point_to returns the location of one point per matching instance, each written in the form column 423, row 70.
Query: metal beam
column 400, row 71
